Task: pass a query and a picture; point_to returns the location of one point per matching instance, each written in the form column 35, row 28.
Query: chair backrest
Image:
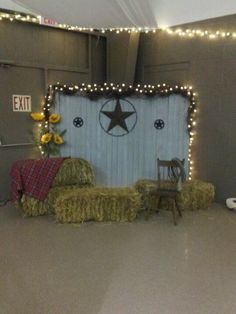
column 169, row 174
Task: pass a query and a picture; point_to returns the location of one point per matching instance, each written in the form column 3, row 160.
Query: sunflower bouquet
column 50, row 137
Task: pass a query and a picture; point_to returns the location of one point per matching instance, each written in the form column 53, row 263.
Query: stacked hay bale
column 72, row 199
column 194, row 195
column 73, row 173
column 99, row 204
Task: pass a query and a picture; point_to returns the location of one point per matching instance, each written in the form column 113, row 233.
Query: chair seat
column 166, row 192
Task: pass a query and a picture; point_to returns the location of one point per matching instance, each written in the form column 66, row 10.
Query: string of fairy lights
column 180, row 32
column 94, row 91
column 111, row 90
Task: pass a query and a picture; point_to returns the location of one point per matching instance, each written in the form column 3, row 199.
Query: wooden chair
column 169, row 184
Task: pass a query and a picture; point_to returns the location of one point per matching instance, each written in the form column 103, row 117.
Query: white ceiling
column 11, row 5
column 125, row 13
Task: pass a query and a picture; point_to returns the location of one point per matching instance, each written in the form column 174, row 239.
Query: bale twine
column 99, row 204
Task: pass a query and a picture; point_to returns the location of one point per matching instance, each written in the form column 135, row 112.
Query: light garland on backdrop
column 184, row 33
column 110, row 90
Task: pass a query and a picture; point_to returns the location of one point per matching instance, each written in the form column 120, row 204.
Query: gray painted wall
column 38, row 56
column 122, row 51
column 210, row 66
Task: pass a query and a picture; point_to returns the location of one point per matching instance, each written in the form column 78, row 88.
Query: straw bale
column 99, row 204
column 31, row 207
column 74, row 171
column 194, row 195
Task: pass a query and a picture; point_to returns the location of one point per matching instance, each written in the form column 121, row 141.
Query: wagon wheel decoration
column 78, row 122
column 159, row 124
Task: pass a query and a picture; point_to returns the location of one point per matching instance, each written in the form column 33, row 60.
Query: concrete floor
column 145, row 267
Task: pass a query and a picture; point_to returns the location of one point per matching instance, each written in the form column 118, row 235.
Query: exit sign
column 21, row 103
column 48, row 22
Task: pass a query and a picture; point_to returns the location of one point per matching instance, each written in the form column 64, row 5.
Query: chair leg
column 147, row 214
column 174, row 214
column 177, row 207
column 159, row 203
column 149, row 210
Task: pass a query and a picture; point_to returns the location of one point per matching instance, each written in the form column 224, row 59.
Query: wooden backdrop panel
column 122, row 160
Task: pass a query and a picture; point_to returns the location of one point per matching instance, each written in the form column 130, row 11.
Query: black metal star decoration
column 118, row 117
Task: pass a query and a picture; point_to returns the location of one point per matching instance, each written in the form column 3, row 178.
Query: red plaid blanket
column 33, row 177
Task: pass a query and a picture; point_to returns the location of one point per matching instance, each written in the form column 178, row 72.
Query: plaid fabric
column 33, row 177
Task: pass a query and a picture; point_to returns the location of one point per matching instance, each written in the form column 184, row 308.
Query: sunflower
column 57, row 139
column 37, row 116
column 54, row 118
column 46, row 138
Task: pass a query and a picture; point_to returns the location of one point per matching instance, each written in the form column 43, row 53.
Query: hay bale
column 99, row 204
column 74, row 171
column 31, row 207
column 194, row 195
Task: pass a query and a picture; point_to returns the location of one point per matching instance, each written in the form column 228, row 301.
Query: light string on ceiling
column 180, row 32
